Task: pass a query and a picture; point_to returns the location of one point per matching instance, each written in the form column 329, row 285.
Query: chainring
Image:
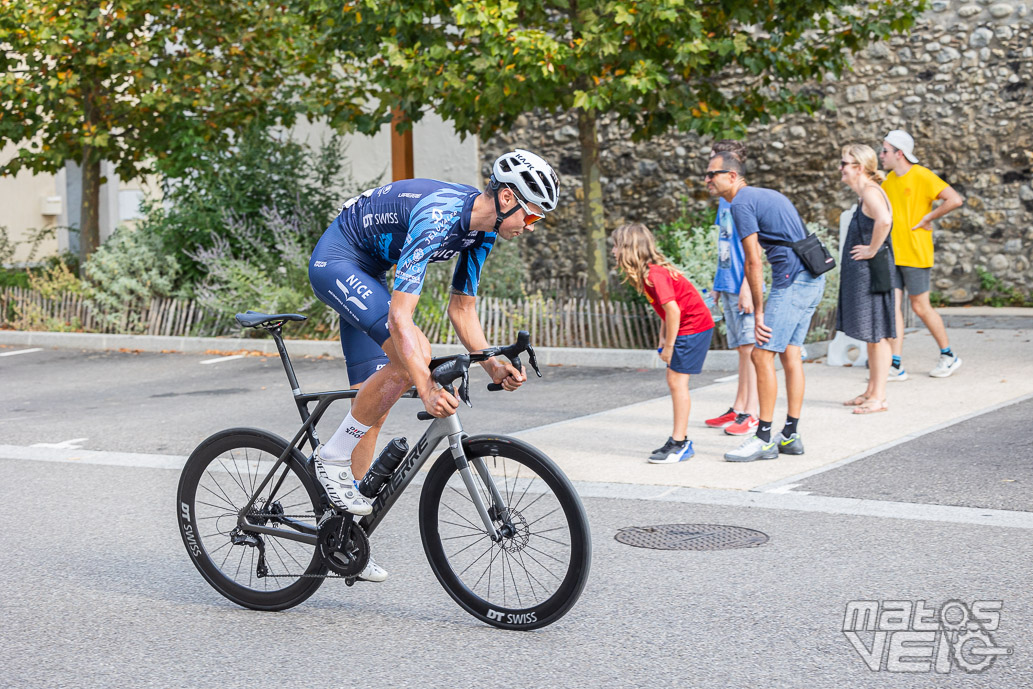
column 343, row 545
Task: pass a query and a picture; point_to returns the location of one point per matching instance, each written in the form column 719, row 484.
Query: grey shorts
column 738, row 326
column 914, row 280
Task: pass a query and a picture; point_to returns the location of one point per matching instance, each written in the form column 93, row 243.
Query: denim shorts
column 690, row 351
column 738, row 326
column 789, row 309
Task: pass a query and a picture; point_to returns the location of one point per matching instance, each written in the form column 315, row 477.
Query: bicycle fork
column 455, row 445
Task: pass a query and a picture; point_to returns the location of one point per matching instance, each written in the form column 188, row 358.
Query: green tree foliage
column 139, row 82
column 711, row 68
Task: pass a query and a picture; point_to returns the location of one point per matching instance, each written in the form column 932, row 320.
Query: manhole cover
column 691, row 537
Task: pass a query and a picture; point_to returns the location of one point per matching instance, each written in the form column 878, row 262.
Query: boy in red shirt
column 685, row 335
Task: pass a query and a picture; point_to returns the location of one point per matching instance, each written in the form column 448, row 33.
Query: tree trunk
column 89, row 215
column 592, row 205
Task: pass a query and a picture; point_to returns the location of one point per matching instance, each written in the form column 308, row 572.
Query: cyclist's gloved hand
column 508, row 376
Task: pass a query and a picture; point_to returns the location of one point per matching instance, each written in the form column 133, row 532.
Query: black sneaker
column 672, row 451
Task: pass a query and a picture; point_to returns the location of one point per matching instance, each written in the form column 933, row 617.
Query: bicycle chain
column 328, row 575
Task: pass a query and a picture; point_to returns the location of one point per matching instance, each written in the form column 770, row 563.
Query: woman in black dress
column 861, row 314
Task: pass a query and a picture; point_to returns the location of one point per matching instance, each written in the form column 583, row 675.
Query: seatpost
column 278, row 338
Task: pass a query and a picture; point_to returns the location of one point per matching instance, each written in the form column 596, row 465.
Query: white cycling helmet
column 530, row 176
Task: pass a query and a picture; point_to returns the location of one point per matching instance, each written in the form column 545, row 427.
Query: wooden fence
column 29, row 310
column 566, row 321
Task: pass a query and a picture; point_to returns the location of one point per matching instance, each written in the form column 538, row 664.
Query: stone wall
column 961, row 83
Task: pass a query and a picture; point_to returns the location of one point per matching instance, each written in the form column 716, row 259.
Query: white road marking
column 727, row 379
column 22, row 351
column 224, row 358
column 73, row 444
column 787, row 501
column 788, row 488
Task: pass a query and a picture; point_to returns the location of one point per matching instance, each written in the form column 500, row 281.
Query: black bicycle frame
column 440, row 429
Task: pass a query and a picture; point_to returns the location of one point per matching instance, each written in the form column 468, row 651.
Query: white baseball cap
column 902, row 141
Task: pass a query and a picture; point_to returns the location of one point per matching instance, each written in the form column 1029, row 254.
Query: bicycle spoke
column 516, row 589
column 465, row 548
column 465, row 535
column 451, row 509
column 530, row 576
column 222, row 497
column 551, row 540
column 464, row 496
column 236, row 479
column 528, row 505
column 542, row 552
column 478, row 529
column 553, row 511
column 478, row 558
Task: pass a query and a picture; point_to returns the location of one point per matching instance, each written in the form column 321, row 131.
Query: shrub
column 124, row 274
column 266, row 170
column 262, row 264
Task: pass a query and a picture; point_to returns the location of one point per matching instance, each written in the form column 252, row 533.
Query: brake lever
column 533, row 360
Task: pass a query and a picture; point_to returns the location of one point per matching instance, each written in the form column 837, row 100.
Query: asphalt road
column 100, row 593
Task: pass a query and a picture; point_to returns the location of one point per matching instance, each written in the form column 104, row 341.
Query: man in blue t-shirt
column 733, row 292
column 763, row 217
column 410, row 224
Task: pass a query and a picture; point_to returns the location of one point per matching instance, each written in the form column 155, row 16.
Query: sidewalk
column 612, row 446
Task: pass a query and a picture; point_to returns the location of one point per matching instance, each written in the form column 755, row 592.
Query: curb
column 717, row 360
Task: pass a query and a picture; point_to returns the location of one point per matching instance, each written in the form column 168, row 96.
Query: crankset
column 343, row 545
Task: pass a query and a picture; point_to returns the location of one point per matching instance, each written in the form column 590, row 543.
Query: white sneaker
column 340, row 487
column 946, row 366
column 897, row 375
column 752, row 449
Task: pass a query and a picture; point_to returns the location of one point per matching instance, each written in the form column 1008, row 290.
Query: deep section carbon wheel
column 258, row 571
column 536, row 572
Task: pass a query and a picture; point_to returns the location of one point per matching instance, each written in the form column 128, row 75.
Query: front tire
column 218, row 479
column 537, row 572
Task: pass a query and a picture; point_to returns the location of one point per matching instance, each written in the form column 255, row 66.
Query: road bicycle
column 503, row 528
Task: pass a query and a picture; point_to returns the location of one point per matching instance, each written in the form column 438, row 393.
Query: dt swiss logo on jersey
column 360, row 289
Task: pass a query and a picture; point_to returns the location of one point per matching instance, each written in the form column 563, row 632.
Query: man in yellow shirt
column 912, row 189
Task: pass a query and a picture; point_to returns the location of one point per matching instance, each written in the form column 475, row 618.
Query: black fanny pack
column 811, row 252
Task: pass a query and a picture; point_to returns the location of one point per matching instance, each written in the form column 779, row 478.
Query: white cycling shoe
column 373, row 572
column 339, row 484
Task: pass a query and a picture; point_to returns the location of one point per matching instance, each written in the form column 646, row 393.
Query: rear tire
column 533, row 576
column 217, row 481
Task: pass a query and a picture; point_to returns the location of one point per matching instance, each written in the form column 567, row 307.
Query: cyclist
column 412, row 223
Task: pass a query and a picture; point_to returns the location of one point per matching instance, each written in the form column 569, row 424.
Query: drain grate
column 691, row 537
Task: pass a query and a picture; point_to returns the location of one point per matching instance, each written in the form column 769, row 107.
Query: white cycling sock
column 338, row 450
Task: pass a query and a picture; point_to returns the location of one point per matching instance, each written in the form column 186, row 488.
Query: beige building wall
column 29, row 203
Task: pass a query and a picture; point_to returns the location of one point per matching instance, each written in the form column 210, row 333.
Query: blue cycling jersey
column 412, row 223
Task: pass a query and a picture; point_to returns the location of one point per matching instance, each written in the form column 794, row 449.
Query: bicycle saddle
column 254, row 319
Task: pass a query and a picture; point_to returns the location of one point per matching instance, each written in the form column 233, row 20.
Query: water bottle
column 390, row 457
column 708, row 299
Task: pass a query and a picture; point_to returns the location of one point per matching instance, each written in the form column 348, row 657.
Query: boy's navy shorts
column 690, row 351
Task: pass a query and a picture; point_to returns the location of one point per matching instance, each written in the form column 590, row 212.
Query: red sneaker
column 744, row 425
column 723, row 420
